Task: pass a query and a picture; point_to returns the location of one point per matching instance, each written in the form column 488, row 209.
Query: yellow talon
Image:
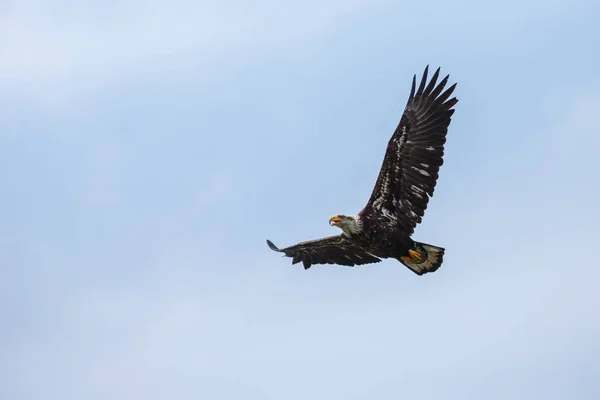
column 412, row 257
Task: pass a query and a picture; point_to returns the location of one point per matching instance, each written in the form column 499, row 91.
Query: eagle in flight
column 406, row 181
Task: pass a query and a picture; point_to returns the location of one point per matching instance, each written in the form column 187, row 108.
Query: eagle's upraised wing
column 328, row 250
column 414, row 155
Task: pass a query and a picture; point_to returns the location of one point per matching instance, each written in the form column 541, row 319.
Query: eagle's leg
column 412, row 257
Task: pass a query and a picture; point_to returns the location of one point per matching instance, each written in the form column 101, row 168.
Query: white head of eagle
column 349, row 224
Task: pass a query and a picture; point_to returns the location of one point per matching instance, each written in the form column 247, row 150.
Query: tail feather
column 431, row 258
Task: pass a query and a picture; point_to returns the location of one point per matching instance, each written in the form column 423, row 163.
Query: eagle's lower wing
column 414, row 155
column 328, row 250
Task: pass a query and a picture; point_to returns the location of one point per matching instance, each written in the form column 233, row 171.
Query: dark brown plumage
column 406, row 181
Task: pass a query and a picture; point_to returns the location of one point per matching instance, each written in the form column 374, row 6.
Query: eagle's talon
column 412, row 257
column 415, row 255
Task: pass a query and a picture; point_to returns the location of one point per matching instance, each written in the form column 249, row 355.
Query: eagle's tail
column 423, row 258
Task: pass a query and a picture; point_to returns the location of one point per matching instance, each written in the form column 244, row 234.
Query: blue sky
column 148, row 149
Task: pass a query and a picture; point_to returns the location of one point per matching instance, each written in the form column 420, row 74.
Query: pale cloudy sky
column 148, row 149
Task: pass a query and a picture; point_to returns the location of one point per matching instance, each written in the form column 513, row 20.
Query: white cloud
column 48, row 46
column 148, row 338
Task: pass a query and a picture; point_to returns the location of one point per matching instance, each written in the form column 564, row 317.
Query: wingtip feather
column 272, row 246
column 423, row 80
column 432, row 82
column 444, row 96
column 413, row 87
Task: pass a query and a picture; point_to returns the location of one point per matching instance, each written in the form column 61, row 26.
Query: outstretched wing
column 329, row 250
column 414, row 155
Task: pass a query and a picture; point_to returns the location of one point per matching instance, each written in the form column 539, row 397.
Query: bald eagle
column 406, row 181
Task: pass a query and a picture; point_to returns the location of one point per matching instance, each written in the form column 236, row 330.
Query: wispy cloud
column 50, row 51
column 132, row 240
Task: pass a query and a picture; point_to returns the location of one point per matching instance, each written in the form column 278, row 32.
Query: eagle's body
column 406, row 181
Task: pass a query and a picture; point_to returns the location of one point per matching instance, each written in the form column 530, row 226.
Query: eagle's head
column 350, row 224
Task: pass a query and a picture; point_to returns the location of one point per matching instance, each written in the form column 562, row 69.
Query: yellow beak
column 334, row 221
